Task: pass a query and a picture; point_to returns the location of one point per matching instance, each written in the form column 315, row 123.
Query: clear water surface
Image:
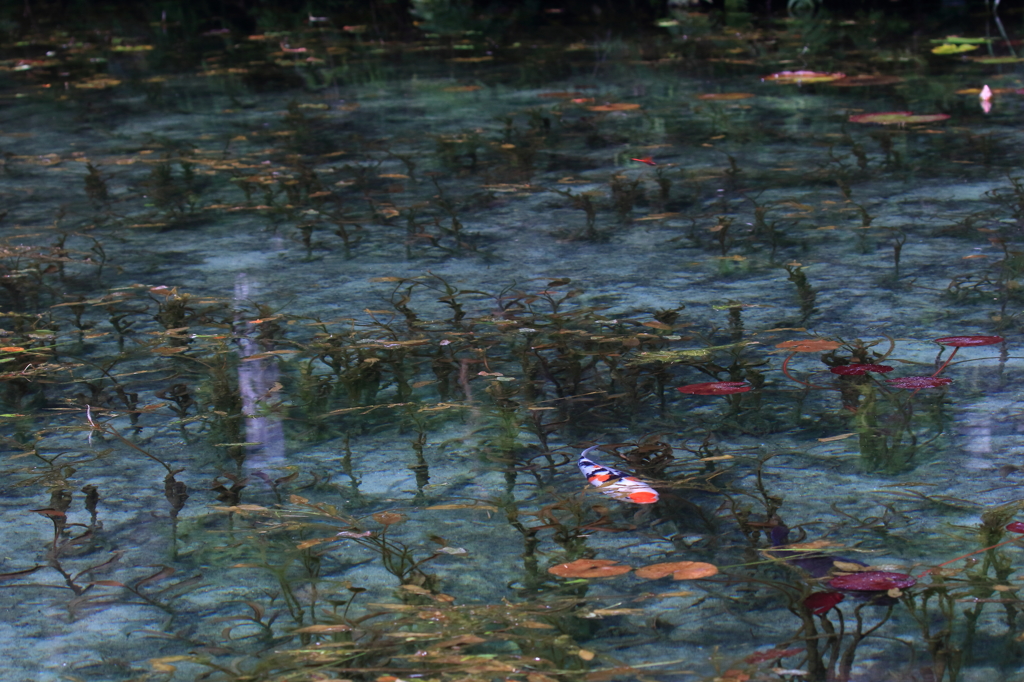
column 300, row 348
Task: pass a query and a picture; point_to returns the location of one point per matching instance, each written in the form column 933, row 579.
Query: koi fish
column 615, row 483
column 648, row 160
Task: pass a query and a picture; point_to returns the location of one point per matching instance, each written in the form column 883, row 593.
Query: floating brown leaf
column 679, row 570
column 808, row 345
column 388, row 518
column 589, row 568
column 616, row 106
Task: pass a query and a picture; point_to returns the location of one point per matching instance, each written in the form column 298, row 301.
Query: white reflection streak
column 255, row 380
column 977, row 430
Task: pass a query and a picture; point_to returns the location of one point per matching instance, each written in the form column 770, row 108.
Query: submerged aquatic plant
column 444, row 385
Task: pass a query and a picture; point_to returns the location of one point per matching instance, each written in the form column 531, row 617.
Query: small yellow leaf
column 415, row 589
column 841, row 436
column 163, row 665
column 306, row 544
column 535, row 625
column 169, row 350
column 325, row 628
column 950, row 48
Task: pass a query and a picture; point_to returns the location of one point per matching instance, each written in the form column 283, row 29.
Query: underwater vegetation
column 498, row 355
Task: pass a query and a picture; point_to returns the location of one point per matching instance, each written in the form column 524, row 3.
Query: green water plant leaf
column 960, row 40
column 997, row 60
column 803, row 77
column 950, row 48
column 897, row 118
column 686, row 354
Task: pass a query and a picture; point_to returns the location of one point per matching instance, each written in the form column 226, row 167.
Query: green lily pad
column 997, row 60
column 897, row 118
column 688, row 355
column 803, row 77
column 950, row 48
column 958, row 40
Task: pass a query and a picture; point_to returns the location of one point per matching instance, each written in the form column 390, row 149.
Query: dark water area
column 306, row 319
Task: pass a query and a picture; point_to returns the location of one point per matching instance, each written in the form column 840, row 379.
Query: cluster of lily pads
column 850, row 369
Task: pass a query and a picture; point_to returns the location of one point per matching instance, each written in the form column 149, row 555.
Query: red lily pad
column 919, row 382
column 715, row 388
column 801, row 77
column 822, row 602
column 857, row 369
column 897, row 118
column 1016, row 527
column 962, row 341
column 872, row 581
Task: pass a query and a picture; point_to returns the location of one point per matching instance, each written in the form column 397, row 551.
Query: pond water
column 301, row 346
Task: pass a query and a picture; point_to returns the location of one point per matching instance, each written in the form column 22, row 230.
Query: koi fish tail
column 615, row 483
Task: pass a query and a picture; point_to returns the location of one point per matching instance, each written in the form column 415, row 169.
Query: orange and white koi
column 615, row 483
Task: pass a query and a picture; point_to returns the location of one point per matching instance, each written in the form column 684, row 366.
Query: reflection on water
column 257, row 384
column 302, row 339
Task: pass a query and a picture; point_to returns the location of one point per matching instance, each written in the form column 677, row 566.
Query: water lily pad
column 725, row 96
column 715, row 388
column 808, row 345
column 963, row 341
column 822, row 602
column 617, row 106
column 679, row 570
column 897, row 118
column 997, row 60
column 589, row 569
column 919, row 382
column 865, row 80
column 950, row 48
column 802, row 77
column 872, row 581
column 857, row 369
column 960, row 40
